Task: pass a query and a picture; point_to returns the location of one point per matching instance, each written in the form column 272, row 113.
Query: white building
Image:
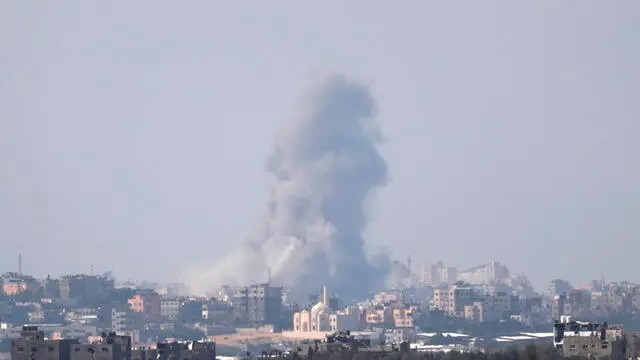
column 437, row 274
column 322, row 318
column 315, row 320
column 118, row 321
column 485, row 274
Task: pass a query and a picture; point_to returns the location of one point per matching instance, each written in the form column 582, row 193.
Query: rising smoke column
column 326, row 165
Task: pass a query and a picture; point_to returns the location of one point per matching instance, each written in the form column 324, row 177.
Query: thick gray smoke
column 326, row 165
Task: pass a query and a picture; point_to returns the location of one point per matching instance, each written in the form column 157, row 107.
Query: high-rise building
column 437, row 274
column 86, row 290
column 258, row 304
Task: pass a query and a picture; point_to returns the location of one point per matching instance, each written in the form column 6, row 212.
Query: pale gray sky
column 133, row 134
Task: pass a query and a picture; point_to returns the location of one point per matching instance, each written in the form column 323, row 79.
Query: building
column 258, row 305
column 15, row 283
column 485, row 274
column 146, row 302
column 31, row 345
column 86, row 290
column 398, row 336
column 379, row 316
column 317, row 319
column 119, row 321
column 437, row 274
column 192, row 310
column 442, row 299
column 347, row 319
column 188, row 350
column 386, row 297
column 430, row 275
column 490, row 308
column 170, row 308
column 581, row 339
column 558, row 287
column 108, row 347
column 404, row 317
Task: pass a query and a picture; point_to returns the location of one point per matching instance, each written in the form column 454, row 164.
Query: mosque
column 321, row 318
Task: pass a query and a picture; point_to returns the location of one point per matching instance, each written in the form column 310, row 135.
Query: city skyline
column 463, row 275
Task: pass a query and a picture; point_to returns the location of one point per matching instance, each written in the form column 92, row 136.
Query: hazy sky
column 133, row 134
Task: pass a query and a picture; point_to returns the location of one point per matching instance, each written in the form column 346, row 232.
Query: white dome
column 319, row 308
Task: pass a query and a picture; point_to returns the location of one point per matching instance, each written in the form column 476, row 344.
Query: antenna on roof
column 20, row 264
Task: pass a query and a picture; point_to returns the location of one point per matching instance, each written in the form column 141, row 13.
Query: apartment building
column 170, row 308
column 437, row 274
column 147, row 302
column 258, row 304
column 379, row 316
column 485, row 274
column 15, row 283
column 87, row 290
column 386, row 297
column 404, row 317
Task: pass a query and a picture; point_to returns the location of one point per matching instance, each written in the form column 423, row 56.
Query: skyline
column 135, row 137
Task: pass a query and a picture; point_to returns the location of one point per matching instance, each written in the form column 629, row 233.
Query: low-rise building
column 31, row 345
column 578, row 339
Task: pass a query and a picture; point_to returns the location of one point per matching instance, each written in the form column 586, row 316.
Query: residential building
column 443, row 299
column 170, row 308
column 258, row 304
column 31, row 345
column 380, row 316
column 15, row 283
column 485, row 274
column 558, row 287
column 430, row 275
column 398, row 336
column 119, row 321
column 490, row 308
column 386, row 297
column 403, row 317
column 146, row 302
column 192, row 310
column 347, row 319
column 449, row 275
column 188, row 350
column 108, row 347
column 86, row 290
column 576, row 339
column 437, row 274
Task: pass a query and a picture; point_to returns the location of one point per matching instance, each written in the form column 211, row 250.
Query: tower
column 325, row 295
column 20, row 264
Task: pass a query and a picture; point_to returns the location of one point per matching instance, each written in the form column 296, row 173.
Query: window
column 51, row 348
column 20, row 348
column 104, row 349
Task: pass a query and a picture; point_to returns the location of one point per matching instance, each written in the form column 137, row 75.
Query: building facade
column 258, row 305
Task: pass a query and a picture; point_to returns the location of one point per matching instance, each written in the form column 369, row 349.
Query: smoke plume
column 326, row 166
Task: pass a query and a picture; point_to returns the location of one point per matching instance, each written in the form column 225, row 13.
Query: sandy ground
column 244, row 338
